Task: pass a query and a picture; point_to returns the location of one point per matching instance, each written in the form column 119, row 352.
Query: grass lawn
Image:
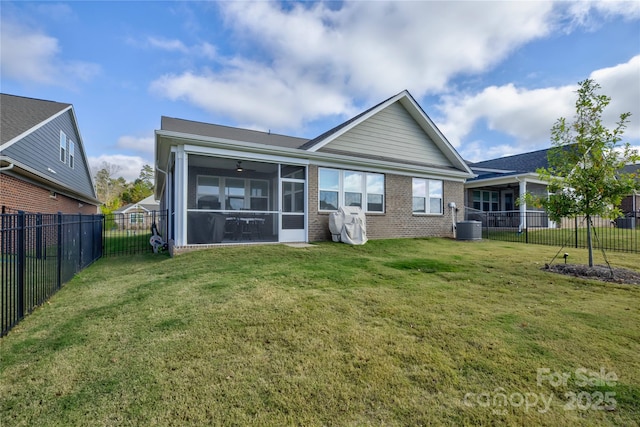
column 395, row 332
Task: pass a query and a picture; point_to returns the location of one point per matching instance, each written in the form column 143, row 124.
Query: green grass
column 395, row 332
column 126, row 241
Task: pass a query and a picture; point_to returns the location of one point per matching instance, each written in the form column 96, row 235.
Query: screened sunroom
column 243, row 201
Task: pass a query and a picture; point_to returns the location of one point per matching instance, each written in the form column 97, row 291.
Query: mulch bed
column 597, row 272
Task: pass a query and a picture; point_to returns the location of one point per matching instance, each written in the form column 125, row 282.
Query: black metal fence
column 622, row 235
column 130, row 233
column 39, row 253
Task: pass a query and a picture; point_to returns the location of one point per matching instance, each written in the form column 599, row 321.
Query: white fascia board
column 492, row 170
column 33, row 129
column 265, row 156
column 504, row 180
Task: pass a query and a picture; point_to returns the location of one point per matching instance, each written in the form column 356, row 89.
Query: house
column 631, row 204
column 500, row 182
column 223, row 184
column 137, row 216
column 43, row 166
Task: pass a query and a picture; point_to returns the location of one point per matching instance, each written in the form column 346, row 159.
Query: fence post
column 59, row 281
column 21, row 263
column 79, row 244
column 39, row 236
column 575, row 230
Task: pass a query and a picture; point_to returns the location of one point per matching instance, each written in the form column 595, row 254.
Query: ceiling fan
column 240, row 168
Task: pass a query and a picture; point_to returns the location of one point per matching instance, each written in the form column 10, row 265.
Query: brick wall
column 398, row 219
column 16, row 194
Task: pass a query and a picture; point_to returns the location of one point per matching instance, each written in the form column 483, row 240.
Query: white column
column 523, row 205
column 181, row 177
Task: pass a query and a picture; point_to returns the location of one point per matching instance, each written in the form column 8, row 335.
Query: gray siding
column 40, row 150
column 392, row 134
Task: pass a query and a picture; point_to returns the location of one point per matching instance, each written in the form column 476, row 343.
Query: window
column 223, row 193
column 350, row 188
column 486, row 201
column 136, row 218
column 259, row 195
column 208, row 192
column 72, row 153
column 329, row 183
column 63, row 147
column 234, row 193
column 375, row 192
column 353, row 188
column 427, row 196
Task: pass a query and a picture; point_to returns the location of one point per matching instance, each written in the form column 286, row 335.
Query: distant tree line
column 117, row 192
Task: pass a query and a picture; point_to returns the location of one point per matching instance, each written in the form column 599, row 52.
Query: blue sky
column 494, row 76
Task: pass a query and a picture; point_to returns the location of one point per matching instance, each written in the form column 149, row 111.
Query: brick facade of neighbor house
column 398, row 219
column 19, row 195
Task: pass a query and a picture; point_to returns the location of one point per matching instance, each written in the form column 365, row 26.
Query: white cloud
column 139, row 144
column 528, row 115
column 622, row 84
column 587, row 14
column 129, row 166
column 303, row 62
column 31, row 56
column 202, row 49
column 254, row 97
column 309, row 62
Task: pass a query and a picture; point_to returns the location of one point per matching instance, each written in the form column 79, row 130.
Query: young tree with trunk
column 585, row 174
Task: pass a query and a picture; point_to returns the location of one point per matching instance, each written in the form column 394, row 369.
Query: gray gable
column 19, row 114
column 37, row 152
column 330, row 132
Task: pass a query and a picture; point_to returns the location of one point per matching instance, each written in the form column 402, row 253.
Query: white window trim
column 482, row 201
column 427, row 198
column 341, row 190
column 71, row 149
column 222, row 196
column 63, row 148
column 134, row 216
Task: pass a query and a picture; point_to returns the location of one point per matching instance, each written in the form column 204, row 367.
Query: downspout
column 6, row 168
column 166, row 203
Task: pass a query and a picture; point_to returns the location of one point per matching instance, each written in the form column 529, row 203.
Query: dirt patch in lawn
column 597, row 272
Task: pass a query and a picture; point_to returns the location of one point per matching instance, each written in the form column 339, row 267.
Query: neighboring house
column 137, row 216
column 498, row 185
column 43, row 166
column 500, row 182
column 223, row 184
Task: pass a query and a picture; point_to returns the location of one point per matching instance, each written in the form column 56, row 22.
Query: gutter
column 6, row 168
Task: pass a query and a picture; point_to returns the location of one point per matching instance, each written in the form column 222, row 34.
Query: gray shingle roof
column 521, row 163
column 19, row 114
column 227, row 132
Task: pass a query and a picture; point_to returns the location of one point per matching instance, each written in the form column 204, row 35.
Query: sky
column 494, row 76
